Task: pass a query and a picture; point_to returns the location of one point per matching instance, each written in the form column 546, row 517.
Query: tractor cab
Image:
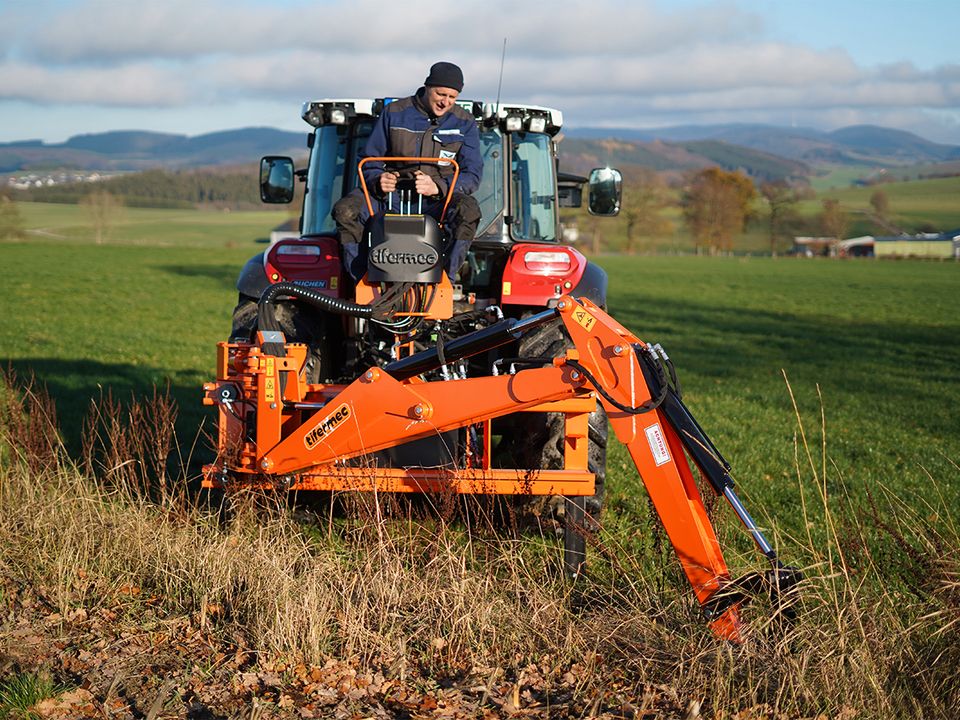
column 518, row 196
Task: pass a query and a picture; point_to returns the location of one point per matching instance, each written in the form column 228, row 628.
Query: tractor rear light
column 298, row 254
column 537, row 124
column 298, row 250
column 338, row 117
column 547, row 262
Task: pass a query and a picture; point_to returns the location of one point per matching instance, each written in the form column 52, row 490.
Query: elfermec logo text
column 326, row 426
column 386, row 256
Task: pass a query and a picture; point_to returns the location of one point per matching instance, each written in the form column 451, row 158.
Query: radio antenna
column 503, row 56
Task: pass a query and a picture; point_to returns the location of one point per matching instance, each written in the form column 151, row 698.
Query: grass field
column 870, row 345
column 871, row 354
column 144, row 308
column 835, row 177
column 919, row 203
column 874, row 342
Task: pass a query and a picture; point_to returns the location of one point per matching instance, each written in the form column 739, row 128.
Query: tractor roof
column 510, row 116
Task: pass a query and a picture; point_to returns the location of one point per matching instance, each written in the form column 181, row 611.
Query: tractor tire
column 535, row 440
column 299, row 324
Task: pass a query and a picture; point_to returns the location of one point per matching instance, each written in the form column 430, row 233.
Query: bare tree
column 716, row 205
column 834, row 220
column 11, row 221
column 781, row 201
column 880, row 203
column 593, row 231
column 645, row 198
column 103, row 209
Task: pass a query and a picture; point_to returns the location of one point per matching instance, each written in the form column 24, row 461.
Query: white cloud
column 134, row 85
column 613, row 61
column 104, row 30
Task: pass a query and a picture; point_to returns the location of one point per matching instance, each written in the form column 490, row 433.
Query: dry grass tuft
column 878, row 636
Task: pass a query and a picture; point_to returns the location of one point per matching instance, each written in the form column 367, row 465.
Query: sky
column 70, row 67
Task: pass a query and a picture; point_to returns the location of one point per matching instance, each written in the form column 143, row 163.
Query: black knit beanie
column 444, row 74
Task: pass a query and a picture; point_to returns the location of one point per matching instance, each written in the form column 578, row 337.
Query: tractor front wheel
column 536, row 439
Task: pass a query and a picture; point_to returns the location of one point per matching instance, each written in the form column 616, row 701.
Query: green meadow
column 870, row 349
column 916, row 204
column 860, row 360
column 145, row 308
column 832, row 387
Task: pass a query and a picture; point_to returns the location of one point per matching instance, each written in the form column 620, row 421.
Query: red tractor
column 499, row 380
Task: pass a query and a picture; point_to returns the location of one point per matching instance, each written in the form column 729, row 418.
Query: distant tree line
column 161, row 189
column 715, row 207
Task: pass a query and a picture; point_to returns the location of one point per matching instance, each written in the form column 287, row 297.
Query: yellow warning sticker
column 507, row 285
column 270, row 382
column 585, row 319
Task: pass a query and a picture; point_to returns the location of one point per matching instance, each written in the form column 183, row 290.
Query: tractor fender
column 592, row 285
column 253, row 278
column 537, row 274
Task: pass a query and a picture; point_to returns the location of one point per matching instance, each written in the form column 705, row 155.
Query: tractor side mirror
column 276, row 179
column 605, row 191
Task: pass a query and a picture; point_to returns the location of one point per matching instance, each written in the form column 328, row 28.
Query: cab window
column 534, row 207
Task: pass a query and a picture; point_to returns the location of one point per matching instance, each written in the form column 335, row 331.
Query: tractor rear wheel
column 299, row 324
column 535, row 441
column 537, row 438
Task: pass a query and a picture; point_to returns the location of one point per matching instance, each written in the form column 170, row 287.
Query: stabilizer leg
column 609, row 355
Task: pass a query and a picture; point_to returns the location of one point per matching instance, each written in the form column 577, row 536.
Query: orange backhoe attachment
column 275, row 428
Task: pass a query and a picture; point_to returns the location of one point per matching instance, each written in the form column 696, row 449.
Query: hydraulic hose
column 645, row 356
column 320, row 301
column 500, row 333
column 267, row 317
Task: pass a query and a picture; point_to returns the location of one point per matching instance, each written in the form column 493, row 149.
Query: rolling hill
column 140, row 150
column 579, row 155
column 764, row 152
column 854, row 145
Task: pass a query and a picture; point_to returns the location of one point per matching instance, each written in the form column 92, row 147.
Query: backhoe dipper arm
column 607, row 351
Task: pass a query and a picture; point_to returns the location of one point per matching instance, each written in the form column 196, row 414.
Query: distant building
column 863, row 246
column 812, row 246
column 943, row 246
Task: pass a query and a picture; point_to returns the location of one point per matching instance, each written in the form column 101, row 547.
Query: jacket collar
column 421, row 105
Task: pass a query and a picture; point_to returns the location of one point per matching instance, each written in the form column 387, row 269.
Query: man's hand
column 425, row 184
column 388, row 181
